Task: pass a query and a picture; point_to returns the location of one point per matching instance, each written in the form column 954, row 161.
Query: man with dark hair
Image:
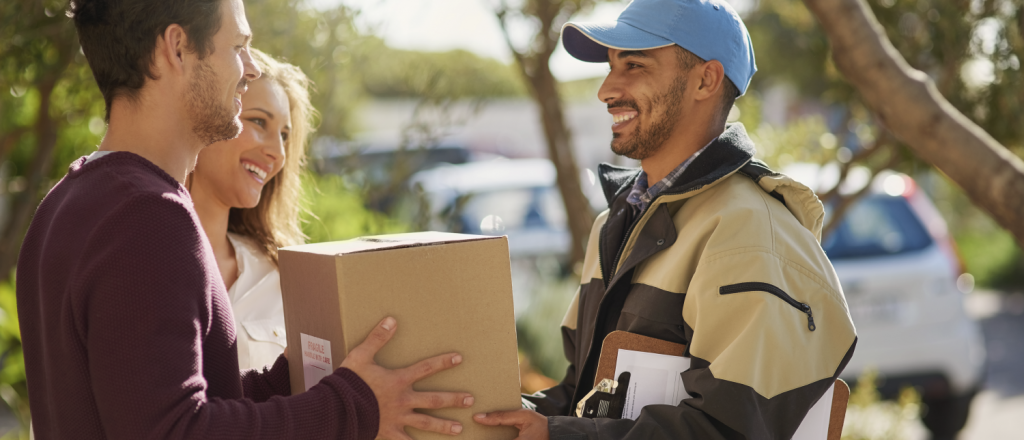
column 702, row 246
column 126, row 324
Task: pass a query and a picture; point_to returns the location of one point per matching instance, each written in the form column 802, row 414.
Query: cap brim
column 590, row 41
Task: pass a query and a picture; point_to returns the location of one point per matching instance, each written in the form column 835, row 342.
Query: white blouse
column 256, row 303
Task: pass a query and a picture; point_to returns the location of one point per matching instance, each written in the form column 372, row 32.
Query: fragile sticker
column 316, row 359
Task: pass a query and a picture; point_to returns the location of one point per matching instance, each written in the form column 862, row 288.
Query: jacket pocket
column 777, row 292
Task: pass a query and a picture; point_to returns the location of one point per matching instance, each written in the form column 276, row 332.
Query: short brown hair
column 118, row 37
column 274, row 221
column 688, row 60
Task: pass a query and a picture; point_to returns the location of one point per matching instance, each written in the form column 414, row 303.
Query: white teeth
column 623, row 117
column 255, row 170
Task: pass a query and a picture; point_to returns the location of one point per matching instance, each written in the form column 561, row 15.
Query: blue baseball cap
column 711, row 29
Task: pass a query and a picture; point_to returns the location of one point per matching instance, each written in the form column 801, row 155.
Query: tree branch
column 845, row 202
column 861, row 155
column 501, row 13
column 908, row 104
column 9, row 139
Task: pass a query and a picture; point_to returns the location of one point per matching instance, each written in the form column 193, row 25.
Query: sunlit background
column 428, row 123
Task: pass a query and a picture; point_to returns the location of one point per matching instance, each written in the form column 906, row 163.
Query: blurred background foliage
column 972, row 50
column 52, row 113
column 869, row 417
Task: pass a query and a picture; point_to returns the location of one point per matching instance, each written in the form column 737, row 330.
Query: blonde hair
column 274, row 221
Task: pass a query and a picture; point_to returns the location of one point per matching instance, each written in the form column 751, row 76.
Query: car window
column 876, row 225
column 497, row 212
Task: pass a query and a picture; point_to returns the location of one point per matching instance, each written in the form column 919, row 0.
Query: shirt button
column 661, row 241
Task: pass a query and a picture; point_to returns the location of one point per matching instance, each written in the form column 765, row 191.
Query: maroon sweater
column 127, row 327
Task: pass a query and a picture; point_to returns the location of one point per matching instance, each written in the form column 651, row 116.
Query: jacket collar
column 731, row 151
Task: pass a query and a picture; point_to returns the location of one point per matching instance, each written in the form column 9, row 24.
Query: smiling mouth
column 623, row 117
column 255, row 170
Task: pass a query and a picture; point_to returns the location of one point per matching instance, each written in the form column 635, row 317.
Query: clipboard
column 631, row 341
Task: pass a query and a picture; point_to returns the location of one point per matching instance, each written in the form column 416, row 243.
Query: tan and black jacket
column 726, row 261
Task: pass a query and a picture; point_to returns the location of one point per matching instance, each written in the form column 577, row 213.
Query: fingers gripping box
column 449, row 293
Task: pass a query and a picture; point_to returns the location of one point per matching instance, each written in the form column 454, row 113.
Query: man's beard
column 211, row 121
column 645, row 141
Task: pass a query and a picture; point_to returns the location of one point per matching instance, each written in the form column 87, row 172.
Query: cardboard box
column 449, row 293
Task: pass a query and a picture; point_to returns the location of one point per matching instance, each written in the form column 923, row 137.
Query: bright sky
column 440, row 25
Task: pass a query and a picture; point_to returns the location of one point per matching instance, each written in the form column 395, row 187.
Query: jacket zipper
column 765, row 287
column 618, row 254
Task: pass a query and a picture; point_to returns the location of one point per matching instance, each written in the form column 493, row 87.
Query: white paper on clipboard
column 655, row 380
column 815, row 424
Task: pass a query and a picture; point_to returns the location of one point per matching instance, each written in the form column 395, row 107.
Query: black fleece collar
column 729, row 152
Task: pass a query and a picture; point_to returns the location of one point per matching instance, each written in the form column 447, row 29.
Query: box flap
column 380, row 242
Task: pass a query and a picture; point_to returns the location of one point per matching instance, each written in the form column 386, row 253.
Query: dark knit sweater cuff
column 362, row 397
column 279, row 378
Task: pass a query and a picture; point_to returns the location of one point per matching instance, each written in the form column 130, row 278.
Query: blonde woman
column 246, row 192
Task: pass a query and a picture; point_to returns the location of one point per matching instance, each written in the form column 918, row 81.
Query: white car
column 899, row 270
column 514, row 197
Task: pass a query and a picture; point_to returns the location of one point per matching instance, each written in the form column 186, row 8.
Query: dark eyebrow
column 269, row 114
column 632, row 53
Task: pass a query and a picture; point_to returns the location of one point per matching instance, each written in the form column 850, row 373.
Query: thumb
column 378, row 337
column 496, row 418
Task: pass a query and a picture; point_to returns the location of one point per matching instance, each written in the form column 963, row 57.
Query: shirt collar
column 641, row 195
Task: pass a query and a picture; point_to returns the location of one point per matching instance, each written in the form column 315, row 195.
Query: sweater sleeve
column 143, row 313
column 273, row 381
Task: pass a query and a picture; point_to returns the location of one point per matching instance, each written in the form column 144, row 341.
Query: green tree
column 50, row 111
column 547, row 17
column 325, row 44
column 940, row 38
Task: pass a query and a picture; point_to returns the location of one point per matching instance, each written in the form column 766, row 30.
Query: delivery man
column 703, row 246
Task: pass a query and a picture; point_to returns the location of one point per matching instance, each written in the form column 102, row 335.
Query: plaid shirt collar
column 640, row 196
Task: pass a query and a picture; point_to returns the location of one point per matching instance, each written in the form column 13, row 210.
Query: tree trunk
column 24, row 203
column 559, row 140
column 534, row 66
column 908, row 104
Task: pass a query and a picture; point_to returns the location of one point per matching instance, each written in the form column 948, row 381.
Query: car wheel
column 946, row 416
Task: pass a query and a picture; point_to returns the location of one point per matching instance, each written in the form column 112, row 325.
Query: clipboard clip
column 606, row 400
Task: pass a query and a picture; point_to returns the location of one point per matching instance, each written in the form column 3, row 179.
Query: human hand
column 393, row 388
column 531, row 424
